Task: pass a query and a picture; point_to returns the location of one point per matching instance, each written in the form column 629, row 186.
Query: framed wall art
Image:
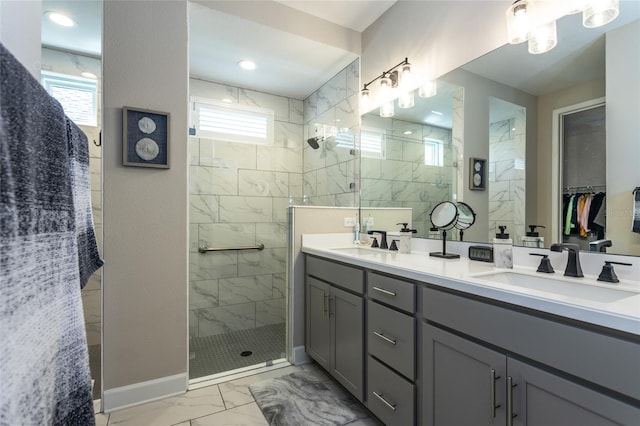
column 145, row 138
column 477, row 174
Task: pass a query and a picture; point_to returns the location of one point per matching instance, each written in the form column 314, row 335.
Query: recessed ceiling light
column 436, row 112
column 227, row 100
column 407, row 132
column 247, row 64
column 87, row 74
column 61, row 19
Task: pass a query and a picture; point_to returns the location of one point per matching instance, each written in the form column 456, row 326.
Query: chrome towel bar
column 205, row 248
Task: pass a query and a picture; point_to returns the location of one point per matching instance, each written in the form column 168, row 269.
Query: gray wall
column 20, row 29
column 145, row 65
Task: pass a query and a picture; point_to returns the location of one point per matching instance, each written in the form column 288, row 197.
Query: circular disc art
column 147, row 149
column 146, row 125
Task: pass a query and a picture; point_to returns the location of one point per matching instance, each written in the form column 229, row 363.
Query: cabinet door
column 348, row 350
column 464, row 383
column 543, row 399
column 318, row 336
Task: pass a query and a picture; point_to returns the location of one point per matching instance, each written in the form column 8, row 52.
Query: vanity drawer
column 392, row 291
column 336, row 273
column 389, row 396
column 391, row 338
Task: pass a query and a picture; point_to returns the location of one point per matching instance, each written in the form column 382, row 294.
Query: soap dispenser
column 503, row 249
column 532, row 238
column 405, row 238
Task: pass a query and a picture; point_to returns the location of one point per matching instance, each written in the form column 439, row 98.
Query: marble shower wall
column 401, row 179
column 73, row 64
column 332, row 113
column 507, row 144
column 238, row 195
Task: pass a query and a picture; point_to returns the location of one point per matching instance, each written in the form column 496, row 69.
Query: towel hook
column 99, row 138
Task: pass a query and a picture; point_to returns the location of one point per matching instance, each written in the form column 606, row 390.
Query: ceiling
column 287, row 64
column 295, row 66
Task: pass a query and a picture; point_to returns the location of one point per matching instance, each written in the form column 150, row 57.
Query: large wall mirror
column 507, row 108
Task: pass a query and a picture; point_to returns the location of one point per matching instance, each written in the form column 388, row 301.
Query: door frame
column 557, row 147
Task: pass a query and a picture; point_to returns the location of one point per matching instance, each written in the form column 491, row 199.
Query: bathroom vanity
column 452, row 342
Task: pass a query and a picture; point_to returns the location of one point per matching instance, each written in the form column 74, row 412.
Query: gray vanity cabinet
column 544, row 399
column 391, row 345
column 464, row 383
column 475, row 372
column 335, row 321
column 318, row 324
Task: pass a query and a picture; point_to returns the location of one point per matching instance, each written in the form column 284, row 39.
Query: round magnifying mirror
column 444, row 215
column 466, row 216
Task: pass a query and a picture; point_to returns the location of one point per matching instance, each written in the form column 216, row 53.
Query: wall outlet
column 368, row 221
column 349, row 221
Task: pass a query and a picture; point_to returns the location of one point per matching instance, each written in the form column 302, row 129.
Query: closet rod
column 583, row 188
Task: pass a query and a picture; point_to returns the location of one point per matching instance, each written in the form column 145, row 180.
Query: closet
column 584, row 176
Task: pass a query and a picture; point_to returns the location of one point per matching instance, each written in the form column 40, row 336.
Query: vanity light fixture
column 524, row 24
column 519, row 20
column 60, row 19
column 389, row 80
column 600, row 12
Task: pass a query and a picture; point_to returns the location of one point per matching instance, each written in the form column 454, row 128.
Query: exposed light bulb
column 365, row 100
column 543, row 39
column 518, row 21
column 600, row 12
column 406, row 100
column 428, row 89
column 387, row 109
column 385, row 88
column 406, row 79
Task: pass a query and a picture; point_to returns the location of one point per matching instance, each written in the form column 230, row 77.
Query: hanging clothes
column 597, row 208
column 47, row 253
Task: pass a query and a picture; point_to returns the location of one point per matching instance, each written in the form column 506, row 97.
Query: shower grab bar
column 205, row 248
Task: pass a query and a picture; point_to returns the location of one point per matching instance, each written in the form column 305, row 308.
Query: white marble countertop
column 615, row 306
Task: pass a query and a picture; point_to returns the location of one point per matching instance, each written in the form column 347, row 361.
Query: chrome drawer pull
column 387, row 403
column 385, row 338
column 382, row 290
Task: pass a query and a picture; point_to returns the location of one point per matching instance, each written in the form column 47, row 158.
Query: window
column 372, row 143
column 433, row 152
column 78, row 96
column 231, row 122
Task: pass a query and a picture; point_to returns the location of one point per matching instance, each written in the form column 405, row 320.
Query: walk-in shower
column 239, row 193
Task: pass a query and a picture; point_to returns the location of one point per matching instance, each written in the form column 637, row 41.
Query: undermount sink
column 361, row 251
column 559, row 287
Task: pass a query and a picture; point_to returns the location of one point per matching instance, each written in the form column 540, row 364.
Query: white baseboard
column 300, row 356
column 143, row 392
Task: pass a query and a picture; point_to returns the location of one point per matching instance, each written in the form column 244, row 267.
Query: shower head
column 313, row 142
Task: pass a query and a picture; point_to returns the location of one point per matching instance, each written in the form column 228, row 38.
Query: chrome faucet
column 573, row 268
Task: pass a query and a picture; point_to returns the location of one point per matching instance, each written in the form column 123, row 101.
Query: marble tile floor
column 227, row 403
